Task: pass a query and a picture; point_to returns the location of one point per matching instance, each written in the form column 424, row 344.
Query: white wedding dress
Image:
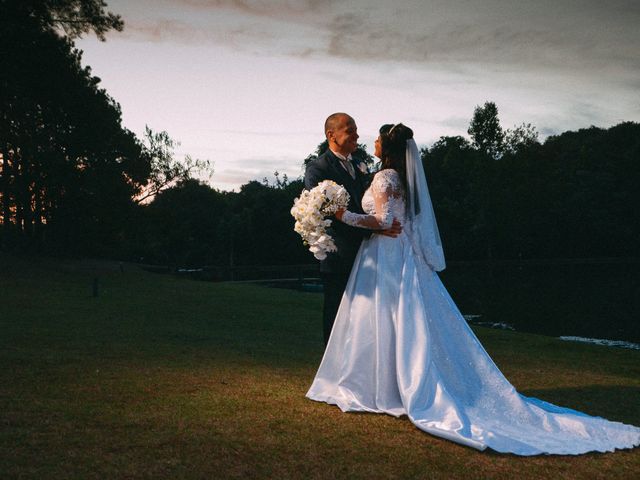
column 400, row 346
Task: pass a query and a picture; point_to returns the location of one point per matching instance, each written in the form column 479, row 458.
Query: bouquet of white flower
column 310, row 211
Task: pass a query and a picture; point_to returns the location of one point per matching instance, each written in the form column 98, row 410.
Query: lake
column 595, row 299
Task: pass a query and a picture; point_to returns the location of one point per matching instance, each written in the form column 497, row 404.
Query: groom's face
column 344, row 136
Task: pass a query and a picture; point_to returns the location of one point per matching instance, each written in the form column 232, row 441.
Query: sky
column 247, row 84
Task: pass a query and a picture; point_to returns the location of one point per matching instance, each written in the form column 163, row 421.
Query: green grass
column 161, row 377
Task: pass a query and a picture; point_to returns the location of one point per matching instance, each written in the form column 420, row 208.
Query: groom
column 338, row 165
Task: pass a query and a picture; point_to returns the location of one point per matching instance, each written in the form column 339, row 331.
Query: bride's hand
column 339, row 213
column 393, row 231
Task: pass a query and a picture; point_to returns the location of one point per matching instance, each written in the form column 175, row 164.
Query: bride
column 400, row 345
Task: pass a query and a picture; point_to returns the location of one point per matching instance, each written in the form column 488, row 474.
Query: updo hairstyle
column 393, row 148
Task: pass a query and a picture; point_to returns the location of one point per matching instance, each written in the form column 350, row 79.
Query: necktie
column 349, row 166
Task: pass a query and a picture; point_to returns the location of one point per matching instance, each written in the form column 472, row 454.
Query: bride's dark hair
column 393, row 148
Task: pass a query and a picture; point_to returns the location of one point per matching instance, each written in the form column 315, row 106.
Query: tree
column 181, row 226
column 165, row 169
column 279, row 183
column 485, row 130
column 453, row 167
column 73, row 17
column 519, row 138
column 68, row 167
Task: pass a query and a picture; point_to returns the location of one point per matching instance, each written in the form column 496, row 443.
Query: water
column 599, row 300
column 603, row 341
column 589, row 300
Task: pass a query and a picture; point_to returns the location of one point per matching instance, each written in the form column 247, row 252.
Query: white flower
column 310, row 210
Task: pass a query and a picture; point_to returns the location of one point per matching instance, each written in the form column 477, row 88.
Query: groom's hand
column 393, row 231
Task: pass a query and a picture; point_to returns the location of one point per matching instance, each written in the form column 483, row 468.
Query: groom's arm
column 313, row 175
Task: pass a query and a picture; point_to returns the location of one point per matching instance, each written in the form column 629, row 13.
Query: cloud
column 280, row 133
column 160, row 30
column 256, row 168
column 268, row 8
column 560, row 65
column 546, row 35
column 457, row 123
column 257, row 27
column 505, row 35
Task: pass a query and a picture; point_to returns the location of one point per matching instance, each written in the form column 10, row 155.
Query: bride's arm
column 386, row 190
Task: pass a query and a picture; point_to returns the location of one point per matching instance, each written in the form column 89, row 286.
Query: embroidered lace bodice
column 383, row 201
column 400, row 345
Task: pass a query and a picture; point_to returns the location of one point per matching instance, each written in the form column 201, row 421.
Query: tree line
column 74, row 181
column 575, row 195
column 506, row 195
column 71, row 176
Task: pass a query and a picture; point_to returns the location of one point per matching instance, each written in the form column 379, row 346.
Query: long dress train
column 400, row 346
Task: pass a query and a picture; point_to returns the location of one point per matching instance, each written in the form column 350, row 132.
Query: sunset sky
column 248, row 84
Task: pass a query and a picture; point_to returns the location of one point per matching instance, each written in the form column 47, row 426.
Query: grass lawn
column 160, row 377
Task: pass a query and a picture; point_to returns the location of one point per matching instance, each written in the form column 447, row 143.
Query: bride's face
column 378, row 147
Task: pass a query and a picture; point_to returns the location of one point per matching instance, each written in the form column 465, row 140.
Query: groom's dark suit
column 335, row 269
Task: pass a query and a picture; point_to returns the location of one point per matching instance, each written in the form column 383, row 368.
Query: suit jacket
column 347, row 238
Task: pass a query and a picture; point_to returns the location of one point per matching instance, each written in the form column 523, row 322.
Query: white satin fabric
column 400, row 346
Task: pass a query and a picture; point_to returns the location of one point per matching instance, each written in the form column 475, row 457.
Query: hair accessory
column 391, row 129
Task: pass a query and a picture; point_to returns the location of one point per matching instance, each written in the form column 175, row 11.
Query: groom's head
column 342, row 133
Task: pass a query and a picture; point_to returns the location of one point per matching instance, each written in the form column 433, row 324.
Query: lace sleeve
column 386, row 189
